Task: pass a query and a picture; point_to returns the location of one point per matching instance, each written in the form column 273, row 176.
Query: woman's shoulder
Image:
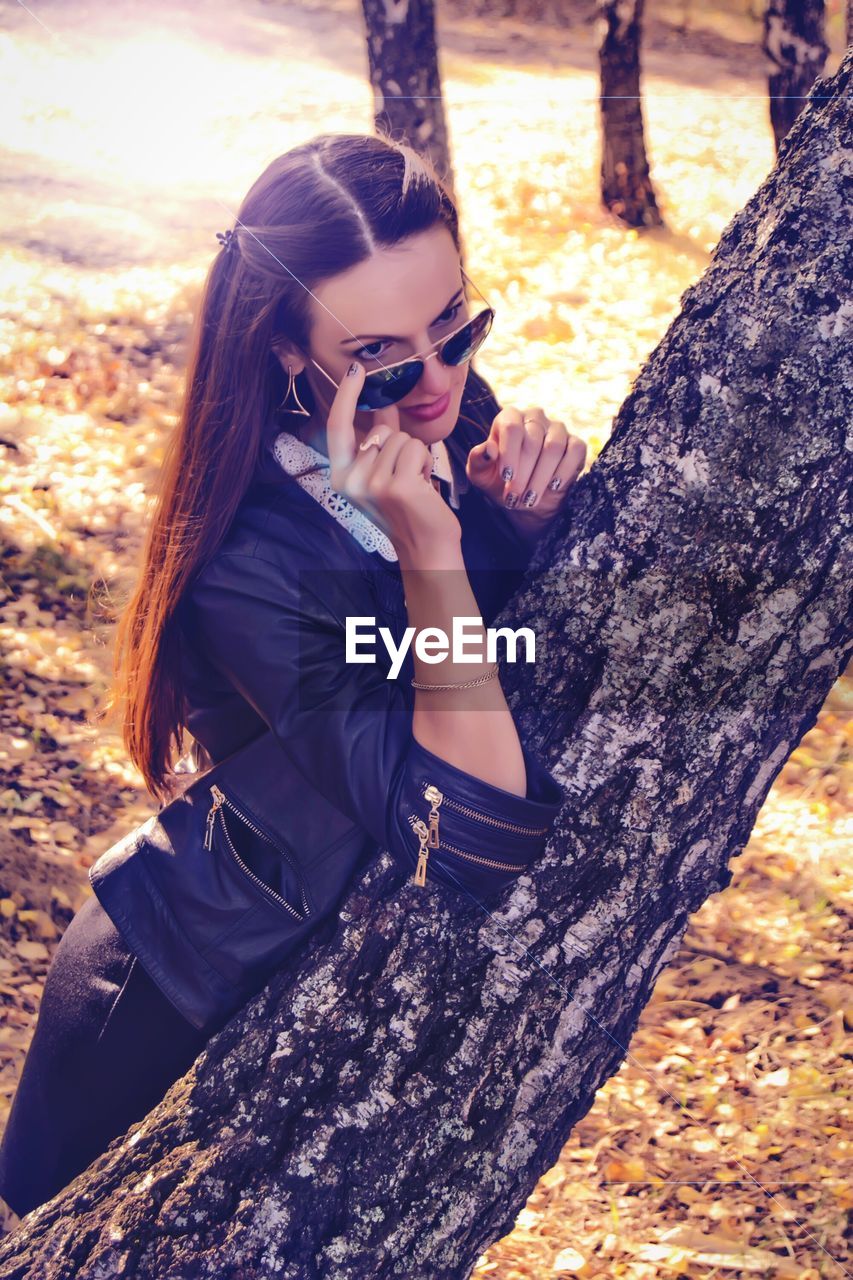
column 277, row 555
column 277, row 535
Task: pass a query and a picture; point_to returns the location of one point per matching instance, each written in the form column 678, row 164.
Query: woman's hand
column 527, row 453
column 389, row 479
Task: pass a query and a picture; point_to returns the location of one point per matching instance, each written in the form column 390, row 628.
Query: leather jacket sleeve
column 347, row 727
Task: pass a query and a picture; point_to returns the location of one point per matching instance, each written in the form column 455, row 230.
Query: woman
column 341, row 286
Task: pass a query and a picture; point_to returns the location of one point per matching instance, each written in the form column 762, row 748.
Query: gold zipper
column 435, row 798
column 423, row 835
column 489, row 862
column 429, row 836
column 220, row 799
column 521, row 828
column 422, row 830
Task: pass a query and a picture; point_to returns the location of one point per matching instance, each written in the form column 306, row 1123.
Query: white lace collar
column 295, row 456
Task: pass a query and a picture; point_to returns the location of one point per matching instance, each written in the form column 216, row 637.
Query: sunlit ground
column 153, row 139
column 131, row 136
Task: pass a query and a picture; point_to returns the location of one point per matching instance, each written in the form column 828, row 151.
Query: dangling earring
column 291, row 386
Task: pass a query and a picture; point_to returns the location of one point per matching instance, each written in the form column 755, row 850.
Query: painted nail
column 506, row 474
column 510, row 500
column 353, row 369
column 555, row 483
column 529, row 498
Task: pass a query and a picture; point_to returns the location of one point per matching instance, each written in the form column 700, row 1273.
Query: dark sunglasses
column 393, row 382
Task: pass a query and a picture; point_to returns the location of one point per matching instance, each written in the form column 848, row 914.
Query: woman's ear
column 288, row 354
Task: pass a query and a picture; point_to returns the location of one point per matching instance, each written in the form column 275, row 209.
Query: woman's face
column 398, row 303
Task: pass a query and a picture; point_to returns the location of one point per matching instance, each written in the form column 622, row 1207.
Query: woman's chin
column 431, row 432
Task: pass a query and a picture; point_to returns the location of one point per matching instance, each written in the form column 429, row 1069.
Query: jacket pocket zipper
column 428, row 835
column 219, row 800
column 457, row 806
column 429, row 839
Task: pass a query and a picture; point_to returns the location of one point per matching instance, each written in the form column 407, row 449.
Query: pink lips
column 427, row 412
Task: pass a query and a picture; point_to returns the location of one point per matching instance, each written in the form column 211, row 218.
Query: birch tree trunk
column 385, row 1108
column 626, row 187
column 796, row 47
column 404, row 75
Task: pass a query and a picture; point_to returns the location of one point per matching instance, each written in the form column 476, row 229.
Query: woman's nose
column 435, row 379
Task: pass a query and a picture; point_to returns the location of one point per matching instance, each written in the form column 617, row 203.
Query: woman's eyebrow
column 389, row 337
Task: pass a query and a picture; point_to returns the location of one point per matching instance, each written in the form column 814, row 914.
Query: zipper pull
column 218, row 799
column 423, row 835
column 435, row 798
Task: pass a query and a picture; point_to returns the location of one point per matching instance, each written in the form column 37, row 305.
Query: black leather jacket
column 262, row 648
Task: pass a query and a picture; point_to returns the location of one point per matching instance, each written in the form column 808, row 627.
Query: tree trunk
column 626, row 187
column 386, row 1107
column 404, row 75
column 795, row 44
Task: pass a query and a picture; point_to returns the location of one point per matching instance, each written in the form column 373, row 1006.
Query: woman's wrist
column 528, row 526
column 444, row 555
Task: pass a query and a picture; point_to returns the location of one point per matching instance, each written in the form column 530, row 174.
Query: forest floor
column 132, row 133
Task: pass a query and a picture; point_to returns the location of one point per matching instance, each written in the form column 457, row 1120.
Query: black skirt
column 106, row 1048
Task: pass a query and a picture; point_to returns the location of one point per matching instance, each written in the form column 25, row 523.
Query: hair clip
column 225, row 238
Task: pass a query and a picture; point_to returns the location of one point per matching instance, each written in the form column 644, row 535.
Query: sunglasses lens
column 386, row 387
column 467, row 341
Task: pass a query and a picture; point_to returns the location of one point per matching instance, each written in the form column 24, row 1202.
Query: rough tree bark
column 404, row 75
column 795, row 44
column 385, row 1108
column 626, row 186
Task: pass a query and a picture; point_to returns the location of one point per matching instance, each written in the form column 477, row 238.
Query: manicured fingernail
column 506, row 474
column 529, row 498
column 555, row 483
column 353, row 369
column 510, row 500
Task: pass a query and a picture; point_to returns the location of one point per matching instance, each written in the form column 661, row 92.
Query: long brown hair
column 315, row 211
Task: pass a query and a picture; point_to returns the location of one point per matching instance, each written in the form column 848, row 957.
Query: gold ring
column 372, row 440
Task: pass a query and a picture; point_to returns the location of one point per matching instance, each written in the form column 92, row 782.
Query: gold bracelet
column 462, row 684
